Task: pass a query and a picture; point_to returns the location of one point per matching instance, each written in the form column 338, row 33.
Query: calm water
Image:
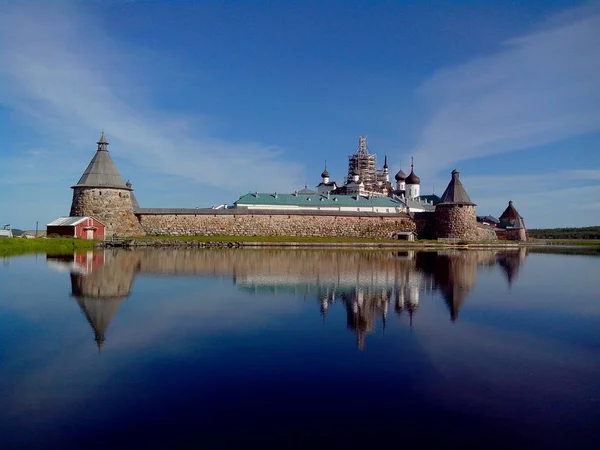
column 295, row 348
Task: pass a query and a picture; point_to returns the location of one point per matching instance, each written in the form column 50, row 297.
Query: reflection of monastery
column 367, row 285
column 365, row 204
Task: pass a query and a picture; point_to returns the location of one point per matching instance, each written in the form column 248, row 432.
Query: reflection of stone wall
column 112, row 207
column 376, row 266
column 274, row 225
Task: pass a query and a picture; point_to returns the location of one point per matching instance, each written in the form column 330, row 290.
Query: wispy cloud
column 68, row 79
column 583, row 174
column 545, row 200
column 540, row 88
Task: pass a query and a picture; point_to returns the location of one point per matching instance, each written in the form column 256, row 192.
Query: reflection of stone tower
column 455, row 214
column 102, row 194
column 455, row 275
column 511, row 263
column 100, row 293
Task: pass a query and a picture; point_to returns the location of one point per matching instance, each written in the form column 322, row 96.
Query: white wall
column 412, row 191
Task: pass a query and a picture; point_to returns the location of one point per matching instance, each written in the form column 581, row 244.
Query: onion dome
column 400, row 176
column 325, row 174
column 412, row 178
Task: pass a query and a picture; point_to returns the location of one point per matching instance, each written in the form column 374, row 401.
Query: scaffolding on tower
column 363, row 163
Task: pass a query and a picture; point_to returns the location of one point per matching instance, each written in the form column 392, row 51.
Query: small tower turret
column 325, row 174
column 326, row 186
column 512, row 221
column 413, row 183
column 386, row 172
column 400, row 180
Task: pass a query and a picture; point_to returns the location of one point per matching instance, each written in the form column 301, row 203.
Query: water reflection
column 366, row 284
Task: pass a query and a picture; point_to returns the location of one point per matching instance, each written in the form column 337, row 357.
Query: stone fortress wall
column 102, row 194
column 274, row 225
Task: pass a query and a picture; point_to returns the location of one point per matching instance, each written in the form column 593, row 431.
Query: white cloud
column 541, row 88
column 68, row 79
column 583, row 174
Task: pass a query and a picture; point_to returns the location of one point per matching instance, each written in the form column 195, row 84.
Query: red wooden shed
column 78, row 227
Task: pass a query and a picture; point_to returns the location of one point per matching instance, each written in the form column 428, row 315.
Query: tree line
column 565, row 233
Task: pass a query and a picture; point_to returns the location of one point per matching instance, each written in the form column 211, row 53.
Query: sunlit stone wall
column 274, row 225
column 456, row 221
column 485, row 233
column 112, row 207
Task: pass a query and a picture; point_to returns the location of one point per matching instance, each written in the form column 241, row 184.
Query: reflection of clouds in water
column 125, row 317
column 182, row 320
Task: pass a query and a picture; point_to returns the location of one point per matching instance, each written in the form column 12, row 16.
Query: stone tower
column 513, row 223
column 102, row 194
column 455, row 214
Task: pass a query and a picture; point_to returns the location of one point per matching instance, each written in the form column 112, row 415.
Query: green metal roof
column 317, row 200
column 431, row 198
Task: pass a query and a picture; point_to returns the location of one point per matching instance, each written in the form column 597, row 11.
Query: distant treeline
column 565, row 233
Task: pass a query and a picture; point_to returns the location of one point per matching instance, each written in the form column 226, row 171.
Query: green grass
column 580, row 250
column 587, row 242
column 53, row 246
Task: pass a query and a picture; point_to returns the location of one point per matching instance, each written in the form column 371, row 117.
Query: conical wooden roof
column 510, row 213
column 101, row 171
column 455, row 192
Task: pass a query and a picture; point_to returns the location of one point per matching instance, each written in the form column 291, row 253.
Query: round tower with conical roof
column 101, row 193
column 455, row 214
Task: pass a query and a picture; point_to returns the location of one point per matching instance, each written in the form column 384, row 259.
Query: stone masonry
column 112, row 207
column 274, row 225
column 456, row 221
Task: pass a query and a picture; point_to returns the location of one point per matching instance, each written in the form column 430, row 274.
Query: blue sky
column 205, row 101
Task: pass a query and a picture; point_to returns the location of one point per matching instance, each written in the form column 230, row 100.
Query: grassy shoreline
column 16, row 247
column 54, row 246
